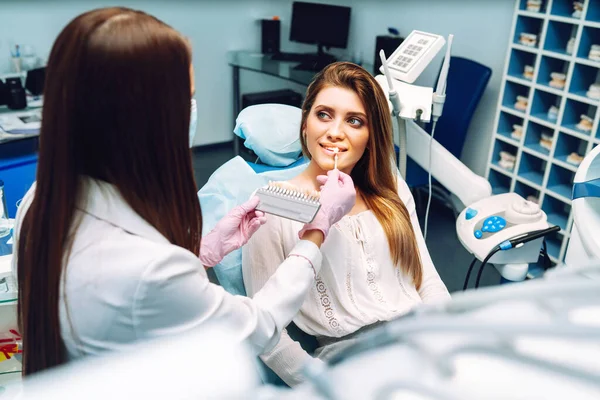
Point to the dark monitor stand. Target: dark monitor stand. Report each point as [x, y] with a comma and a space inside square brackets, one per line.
[316, 62]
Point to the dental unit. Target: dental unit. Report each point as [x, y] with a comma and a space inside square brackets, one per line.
[488, 222]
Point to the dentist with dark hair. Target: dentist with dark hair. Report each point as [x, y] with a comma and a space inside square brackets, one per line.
[107, 241]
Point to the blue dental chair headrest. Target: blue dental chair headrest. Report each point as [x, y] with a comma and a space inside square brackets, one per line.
[272, 131]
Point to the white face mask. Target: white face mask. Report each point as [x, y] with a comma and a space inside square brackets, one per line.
[193, 121]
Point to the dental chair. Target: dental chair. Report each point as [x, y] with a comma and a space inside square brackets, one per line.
[272, 132]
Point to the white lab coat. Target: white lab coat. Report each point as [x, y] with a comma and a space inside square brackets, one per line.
[125, 282]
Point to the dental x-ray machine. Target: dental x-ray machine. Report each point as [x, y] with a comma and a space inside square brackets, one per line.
[506, 224]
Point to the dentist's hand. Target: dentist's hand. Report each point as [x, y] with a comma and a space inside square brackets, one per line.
[231, 232]
[338, 196]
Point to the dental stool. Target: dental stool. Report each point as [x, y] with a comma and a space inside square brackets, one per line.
[272, 132]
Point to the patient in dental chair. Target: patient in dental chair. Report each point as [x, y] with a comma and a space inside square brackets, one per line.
[376, 266]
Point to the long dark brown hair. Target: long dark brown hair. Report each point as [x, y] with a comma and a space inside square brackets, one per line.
[116, 109]
[373, 175]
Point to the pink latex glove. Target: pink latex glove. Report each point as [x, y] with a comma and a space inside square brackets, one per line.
[231, 232]
[338, 196]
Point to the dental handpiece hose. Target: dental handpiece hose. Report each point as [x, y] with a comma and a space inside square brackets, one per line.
[515, 242]
[520, 240]
[439, 98]
[395, 100]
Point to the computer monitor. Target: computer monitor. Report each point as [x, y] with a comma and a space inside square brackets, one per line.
[321, 24]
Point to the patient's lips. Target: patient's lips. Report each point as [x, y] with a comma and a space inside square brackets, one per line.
[331, 149]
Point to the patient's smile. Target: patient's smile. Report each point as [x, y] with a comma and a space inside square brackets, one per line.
[337, 124]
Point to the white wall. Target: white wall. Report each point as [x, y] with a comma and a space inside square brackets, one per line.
[481, 30]
[214, 27]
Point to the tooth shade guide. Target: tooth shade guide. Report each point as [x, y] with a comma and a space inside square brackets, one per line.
[283, 187]
[288, 201]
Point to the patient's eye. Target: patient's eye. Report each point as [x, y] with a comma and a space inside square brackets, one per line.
[322, 114]
[355, 122]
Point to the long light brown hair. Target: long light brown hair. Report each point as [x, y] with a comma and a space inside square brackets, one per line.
[373, 175]
[116, 109]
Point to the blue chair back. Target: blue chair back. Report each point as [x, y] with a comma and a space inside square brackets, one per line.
[467, 81]
[259, 168]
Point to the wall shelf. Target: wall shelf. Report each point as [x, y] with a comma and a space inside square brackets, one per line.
[528, 192]
[531, 168]
[543, 122]
[545, 152]
[574, 110]
[593, 12]
[500, 182]
[560, 181]
[558, 36]
[536, 138]
[528, 25]
[518, 63]
[522, 8]
[562, 56]
[506, 126]
[549, 66]
[557, 211]
[512, 93]
[542, 102]
[583, 77]
[564, 9]
[500, 147]
[589, 36]
[568, 144]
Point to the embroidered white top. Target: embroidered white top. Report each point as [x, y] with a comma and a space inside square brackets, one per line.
[358, 284]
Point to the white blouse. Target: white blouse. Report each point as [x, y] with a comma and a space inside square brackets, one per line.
[358, 284]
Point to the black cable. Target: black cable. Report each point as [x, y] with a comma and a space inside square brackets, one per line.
[485, 260]
[469, 273]
[547, 261]
[544, 248]
[515, 242]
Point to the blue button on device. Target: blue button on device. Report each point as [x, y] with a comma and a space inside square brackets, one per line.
[470, 213]
[493, 224]
[478, 234]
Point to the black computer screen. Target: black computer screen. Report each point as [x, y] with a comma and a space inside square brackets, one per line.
[323, 24]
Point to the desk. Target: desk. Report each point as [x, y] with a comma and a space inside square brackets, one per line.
[18, 164]
[262, 63]
[9, 137]
[33, 103]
